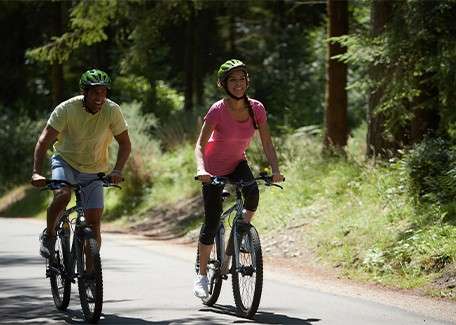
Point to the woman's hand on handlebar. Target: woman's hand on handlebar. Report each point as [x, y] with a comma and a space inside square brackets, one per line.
[277, 178]
[204, 178]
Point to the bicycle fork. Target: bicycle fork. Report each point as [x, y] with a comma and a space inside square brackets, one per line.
[240, 246]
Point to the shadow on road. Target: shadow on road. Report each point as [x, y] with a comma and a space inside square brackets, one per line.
[39, 309]
[261, 317]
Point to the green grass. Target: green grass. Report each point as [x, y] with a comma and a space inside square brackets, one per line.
[361, 218]
[24, 202]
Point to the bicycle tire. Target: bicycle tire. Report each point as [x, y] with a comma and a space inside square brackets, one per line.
[213, 272]
[90, 284]
[247, 280]
[60, 281]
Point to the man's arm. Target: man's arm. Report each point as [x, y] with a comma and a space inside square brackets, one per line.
[47, 137]
[123, 139]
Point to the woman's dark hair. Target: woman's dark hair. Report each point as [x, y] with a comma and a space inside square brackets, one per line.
[250, 109]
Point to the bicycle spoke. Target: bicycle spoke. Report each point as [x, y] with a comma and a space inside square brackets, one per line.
[247, 279]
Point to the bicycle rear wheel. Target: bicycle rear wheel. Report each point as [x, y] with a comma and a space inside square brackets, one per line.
[59, 272]
[90, 280]
[247, 280]
[213, 272]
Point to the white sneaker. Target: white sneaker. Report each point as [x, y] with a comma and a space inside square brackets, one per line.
[200, 288]
[225, 268]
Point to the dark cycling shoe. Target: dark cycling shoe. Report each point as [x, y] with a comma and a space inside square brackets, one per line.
[47, 244]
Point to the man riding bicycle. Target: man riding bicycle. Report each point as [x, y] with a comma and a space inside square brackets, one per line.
[81, 129]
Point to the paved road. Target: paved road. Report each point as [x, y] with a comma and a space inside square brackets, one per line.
[149, 282]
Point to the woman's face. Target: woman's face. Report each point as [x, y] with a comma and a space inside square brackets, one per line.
[236, 83]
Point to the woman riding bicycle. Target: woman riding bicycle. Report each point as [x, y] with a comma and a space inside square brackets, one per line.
[228, 128]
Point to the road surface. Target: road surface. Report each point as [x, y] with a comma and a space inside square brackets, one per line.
[150, 282]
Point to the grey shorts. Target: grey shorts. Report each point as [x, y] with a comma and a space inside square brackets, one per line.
[92, 195]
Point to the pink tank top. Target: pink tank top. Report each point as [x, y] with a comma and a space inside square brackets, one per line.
[230, 138]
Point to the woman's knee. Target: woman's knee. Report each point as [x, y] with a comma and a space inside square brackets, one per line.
[207, 233]
[252, 197]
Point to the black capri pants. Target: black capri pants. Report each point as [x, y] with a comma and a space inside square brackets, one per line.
[212, 196]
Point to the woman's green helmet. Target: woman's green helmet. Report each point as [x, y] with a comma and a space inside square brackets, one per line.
[227, 67]
[94, 77]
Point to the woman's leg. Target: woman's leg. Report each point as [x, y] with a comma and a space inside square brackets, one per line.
[212, 196]
[251, 193]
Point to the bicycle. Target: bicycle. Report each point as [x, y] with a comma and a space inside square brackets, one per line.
[83, 256]
[247, 263]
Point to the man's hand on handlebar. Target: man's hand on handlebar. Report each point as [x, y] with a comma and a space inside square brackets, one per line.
[38, 180]
[115, 177]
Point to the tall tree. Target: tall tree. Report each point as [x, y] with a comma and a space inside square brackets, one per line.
[377, 144]
[336, 130]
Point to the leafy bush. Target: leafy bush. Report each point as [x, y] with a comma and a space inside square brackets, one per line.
[431, 170]
[18, 135]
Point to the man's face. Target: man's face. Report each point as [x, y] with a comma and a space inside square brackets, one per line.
[95, 98]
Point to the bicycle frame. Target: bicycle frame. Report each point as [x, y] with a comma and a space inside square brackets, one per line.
[81, 230]
[238, 206]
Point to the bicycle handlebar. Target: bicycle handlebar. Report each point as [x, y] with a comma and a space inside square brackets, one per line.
[54, 184]
[221, 181]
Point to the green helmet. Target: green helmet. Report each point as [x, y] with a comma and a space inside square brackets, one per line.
[229, 66]
[94, 77]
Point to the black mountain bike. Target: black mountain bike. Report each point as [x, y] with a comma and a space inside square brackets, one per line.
[244, 245]
[81, 261]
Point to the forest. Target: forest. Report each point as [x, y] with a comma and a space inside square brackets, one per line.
[360, 100]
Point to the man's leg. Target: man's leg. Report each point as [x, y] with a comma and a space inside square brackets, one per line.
[60, 201]
[93, 217]
[60, 171]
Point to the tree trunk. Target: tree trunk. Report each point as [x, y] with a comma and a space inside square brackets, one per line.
[336, 133]
[426, 118]
[189, 62]
[56, 69]
[377, 144]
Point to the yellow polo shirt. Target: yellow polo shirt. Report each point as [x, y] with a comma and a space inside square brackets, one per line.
[84, 138]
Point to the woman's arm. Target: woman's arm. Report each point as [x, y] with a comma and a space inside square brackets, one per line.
[205, 134]
[269, 151]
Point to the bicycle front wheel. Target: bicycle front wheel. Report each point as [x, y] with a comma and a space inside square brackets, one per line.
[213, 273]
[90, 280]
[247, 278]
[59, 272]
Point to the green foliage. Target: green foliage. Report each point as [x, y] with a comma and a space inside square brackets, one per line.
[358, 216]
[430, 166]
[152, 177]
[88, 19]
[18, 135]
[137, 174]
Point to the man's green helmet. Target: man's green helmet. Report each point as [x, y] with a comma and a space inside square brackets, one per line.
[94, 77]
[227, 67]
